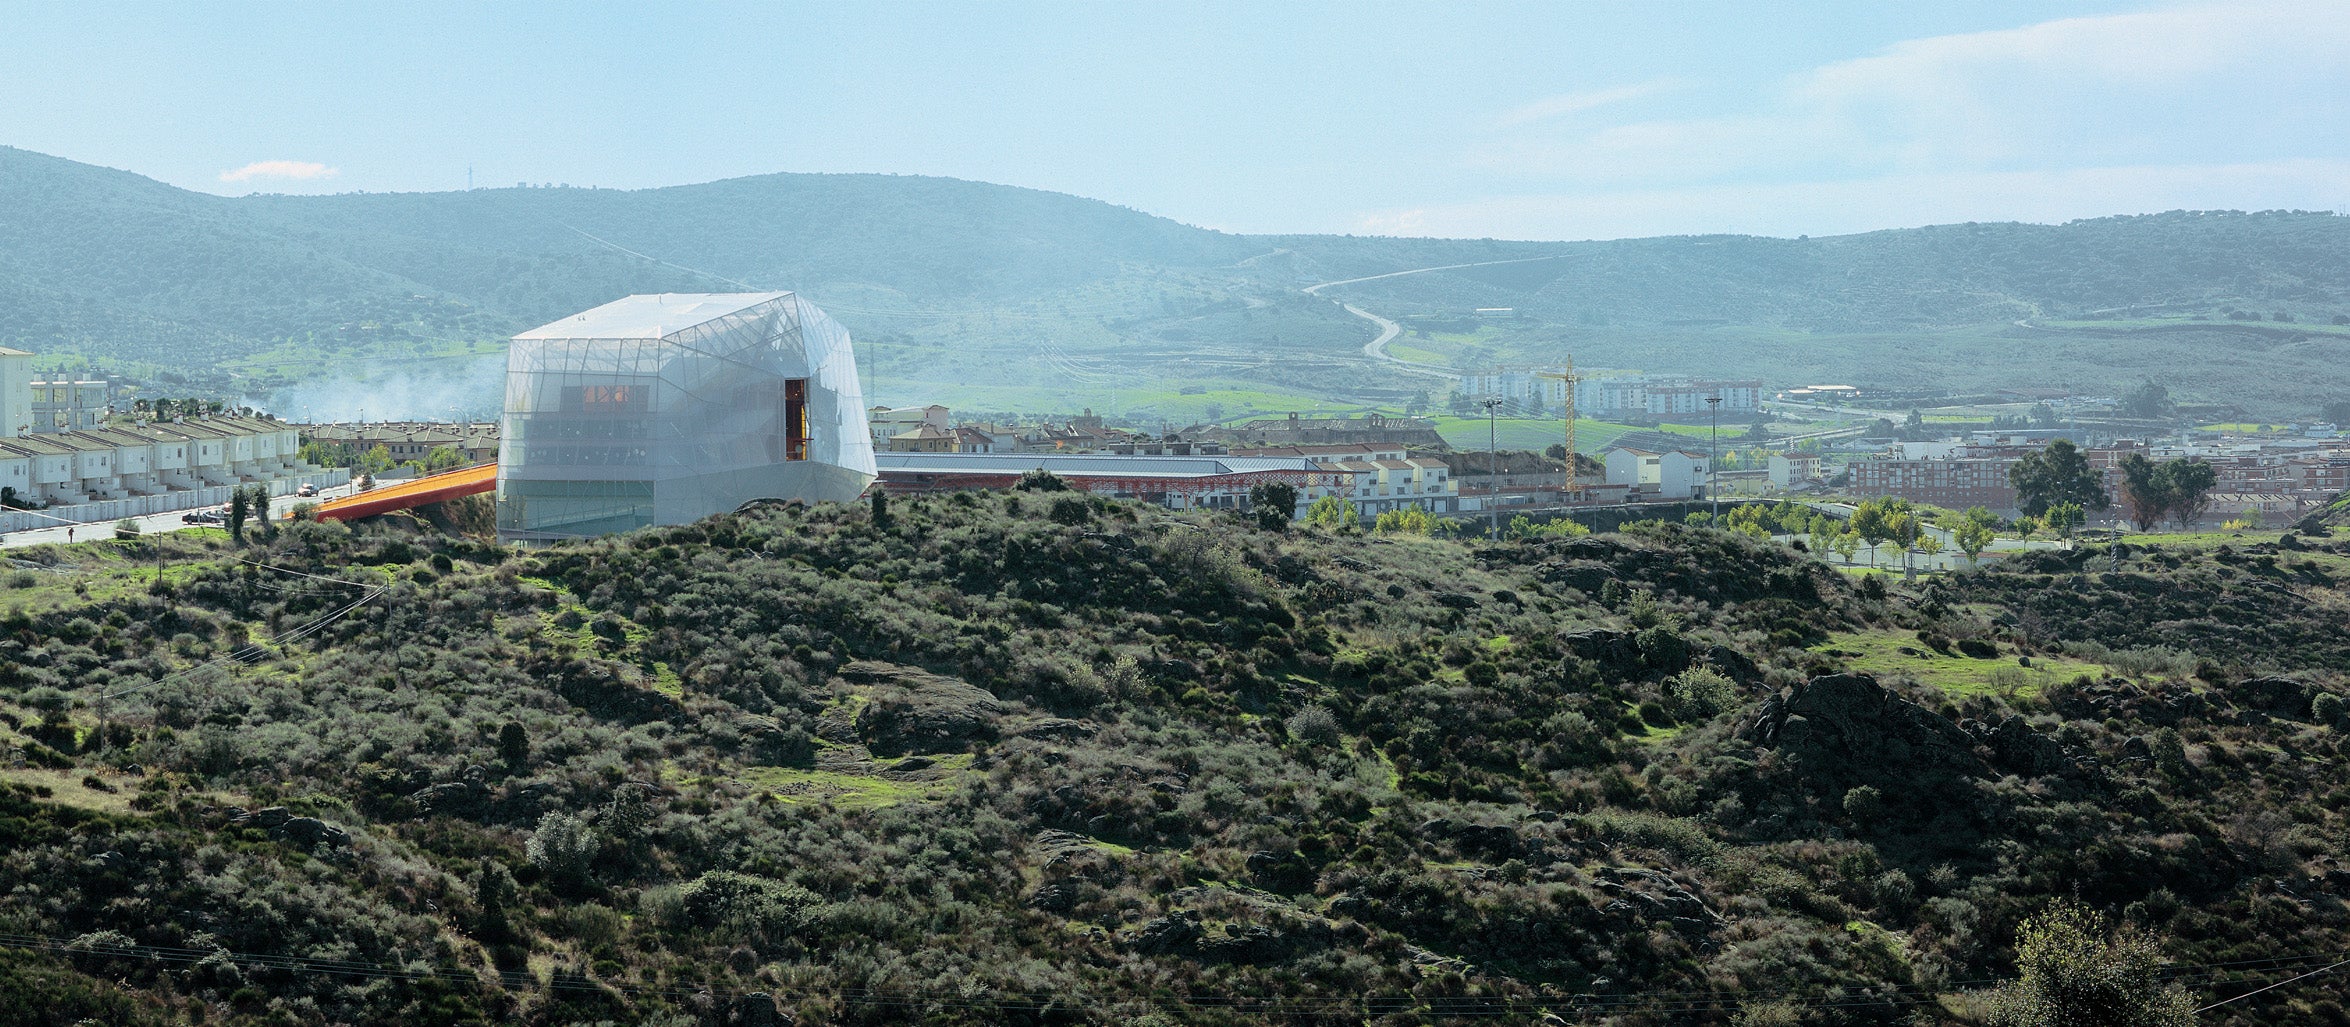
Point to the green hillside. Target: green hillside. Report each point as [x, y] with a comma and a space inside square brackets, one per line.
[1025, 758]
[992, 297]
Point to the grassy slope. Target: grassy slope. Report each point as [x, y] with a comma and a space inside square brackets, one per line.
[1155, 681]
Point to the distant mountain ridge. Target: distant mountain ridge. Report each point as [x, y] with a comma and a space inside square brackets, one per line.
[119, 266]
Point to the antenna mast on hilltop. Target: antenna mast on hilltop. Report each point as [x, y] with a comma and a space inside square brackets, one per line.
[1567, 379]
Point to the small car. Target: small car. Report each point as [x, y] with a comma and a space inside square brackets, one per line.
[307, 490]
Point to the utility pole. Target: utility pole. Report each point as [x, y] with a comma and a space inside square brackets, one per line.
[1492, 467]
[1714, 456]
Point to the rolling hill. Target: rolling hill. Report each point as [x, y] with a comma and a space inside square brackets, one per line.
[1000, 298]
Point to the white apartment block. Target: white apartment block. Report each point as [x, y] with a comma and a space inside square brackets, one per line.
[1603, 394]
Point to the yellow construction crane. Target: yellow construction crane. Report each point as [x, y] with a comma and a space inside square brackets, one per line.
[1574, 492]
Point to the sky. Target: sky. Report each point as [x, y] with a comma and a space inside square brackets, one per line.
[1550, 120]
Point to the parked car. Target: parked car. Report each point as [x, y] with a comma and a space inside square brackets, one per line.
[209, 515]
[307, 490]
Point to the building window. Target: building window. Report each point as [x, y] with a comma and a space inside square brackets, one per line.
[608, 399]
[795, 418]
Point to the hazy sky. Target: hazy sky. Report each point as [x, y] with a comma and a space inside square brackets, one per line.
[1544, 120]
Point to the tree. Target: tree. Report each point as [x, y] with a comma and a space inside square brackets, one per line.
[880, 509]
[236, 515]
[1845, 544]
[1870, 520]
[2146, 486]
[2063, 518]
[1273, 504]
[492, 886]
[376, 460]
[2026, 527]
[441, 458]
[2338, 412]
[2045, 416]
[1331, 513]
[1931, 545]
[259, 503]
[2057, 474]
[1749, 520]
[2075, 970]
[1902, 526]
[1524, 527]
[513, 746]
[1972, 537]
[1410, 520]
[2190, 489]
[2149, 402]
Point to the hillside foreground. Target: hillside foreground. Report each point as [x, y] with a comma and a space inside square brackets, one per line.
[1033, 758]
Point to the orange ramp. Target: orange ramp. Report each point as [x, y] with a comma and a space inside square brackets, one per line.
[432, 488]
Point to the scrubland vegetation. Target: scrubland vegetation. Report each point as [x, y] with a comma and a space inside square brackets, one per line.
[1041, 758]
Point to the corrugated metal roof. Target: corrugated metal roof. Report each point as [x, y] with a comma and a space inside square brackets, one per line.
[1085, 464]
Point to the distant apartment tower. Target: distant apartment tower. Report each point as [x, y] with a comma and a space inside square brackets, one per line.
[62, 404]
[666, 409]
[1953, 482]
[16, 392]
[1617, 395]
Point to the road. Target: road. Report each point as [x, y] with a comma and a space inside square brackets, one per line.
[1376, 349]
[1949, 559]
[168, 521]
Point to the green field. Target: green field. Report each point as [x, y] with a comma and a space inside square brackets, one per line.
[1899, 654]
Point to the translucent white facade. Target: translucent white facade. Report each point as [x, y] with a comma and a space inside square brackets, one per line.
[666, 409]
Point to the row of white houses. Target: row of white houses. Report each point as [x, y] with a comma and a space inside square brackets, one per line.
[114, 463]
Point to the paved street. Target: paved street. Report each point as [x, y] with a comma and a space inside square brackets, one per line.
[154, 522]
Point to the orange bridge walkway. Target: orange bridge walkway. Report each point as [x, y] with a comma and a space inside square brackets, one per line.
[432, 488]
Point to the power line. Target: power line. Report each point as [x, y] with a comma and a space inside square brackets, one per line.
[254, 652]
[1369, 1004]
[2279, 984]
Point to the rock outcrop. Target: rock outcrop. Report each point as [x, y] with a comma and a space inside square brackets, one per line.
[911, 710]
[1848, 725]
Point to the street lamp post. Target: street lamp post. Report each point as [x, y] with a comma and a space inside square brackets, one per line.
[1492, 466]
[1713, 456]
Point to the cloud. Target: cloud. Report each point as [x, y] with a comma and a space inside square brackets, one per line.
[300, 170]
[1393, 222]
[1550, 107]
[2218, 84]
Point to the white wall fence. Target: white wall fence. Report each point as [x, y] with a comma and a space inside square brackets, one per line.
[110, 510]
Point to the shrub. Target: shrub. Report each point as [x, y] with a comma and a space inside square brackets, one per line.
[1864, 804]
[2328, 708]
[1697, 694]
[1041, 480]
[765, 911]
[2075, 971]
[564, 848]
[1314, 725]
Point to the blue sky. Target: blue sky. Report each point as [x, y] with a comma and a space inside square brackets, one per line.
[1539, 121]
